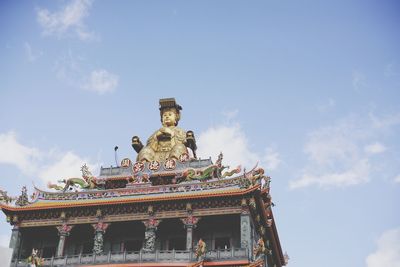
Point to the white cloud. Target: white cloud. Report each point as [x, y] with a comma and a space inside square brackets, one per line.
[271, 159]
[359, 173]
[46, 165]
[65, 165]
[101, 81]
[69, 19]
[14, 153]
[330, 143]
[385, 122]
[74, 71]
[341, 154]
[233, 143]
[31, 55]
[397, 179]
[375, 148]
[388, 251]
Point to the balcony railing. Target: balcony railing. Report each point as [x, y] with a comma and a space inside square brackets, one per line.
[139, 257]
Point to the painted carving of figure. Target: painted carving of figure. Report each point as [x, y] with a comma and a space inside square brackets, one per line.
[200, 250]
[34, 260]
[259, 248]
[149, 240]
[167, 142]
[98, 243]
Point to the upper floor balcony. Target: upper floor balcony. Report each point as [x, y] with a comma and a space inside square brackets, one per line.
[179, 257]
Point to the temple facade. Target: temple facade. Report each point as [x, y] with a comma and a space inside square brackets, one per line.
[165, 208]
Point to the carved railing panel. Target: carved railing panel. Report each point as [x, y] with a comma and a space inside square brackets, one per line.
[139, 256]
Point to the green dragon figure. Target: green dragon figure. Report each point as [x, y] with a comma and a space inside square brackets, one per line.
[213, 171]
[88, 181]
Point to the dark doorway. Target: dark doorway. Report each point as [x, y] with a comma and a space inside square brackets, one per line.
[44, 239]
[122, 236]
[177, 243]
[133, 245]
[171, 234]
[219, 231]
[48, 251]
[81, 240]
[222, 243]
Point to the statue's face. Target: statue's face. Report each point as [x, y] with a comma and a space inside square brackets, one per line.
[169, 117]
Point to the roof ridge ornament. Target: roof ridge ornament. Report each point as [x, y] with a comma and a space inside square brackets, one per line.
[88, 181]
[23, 198]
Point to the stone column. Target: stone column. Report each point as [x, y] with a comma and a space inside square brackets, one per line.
[245, 227]
[150, 234]
[99, 230]
[15, 241]
[190, 223]
[63, 231]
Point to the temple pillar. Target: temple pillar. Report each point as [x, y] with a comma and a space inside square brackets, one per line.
[150, 234]
[245, 227]
[190, 223]
[63, 231]
[15, 241]
[99, 230]
[189, 237]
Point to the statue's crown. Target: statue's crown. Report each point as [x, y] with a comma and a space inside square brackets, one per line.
[169, 103]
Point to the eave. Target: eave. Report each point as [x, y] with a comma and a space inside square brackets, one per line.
[128, 200]
[273, 232]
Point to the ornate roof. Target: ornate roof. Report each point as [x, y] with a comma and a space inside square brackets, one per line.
[141, 192]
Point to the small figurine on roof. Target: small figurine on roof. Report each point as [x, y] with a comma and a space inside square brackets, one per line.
[257, 176]
[23, 198]
[200, 250]
[34, 260]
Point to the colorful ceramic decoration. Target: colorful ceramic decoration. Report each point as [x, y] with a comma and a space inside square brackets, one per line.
[126, 162]
[170, 164]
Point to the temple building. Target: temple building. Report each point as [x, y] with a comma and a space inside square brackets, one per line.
[164, 208]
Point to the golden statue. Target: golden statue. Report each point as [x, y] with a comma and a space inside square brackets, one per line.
[169, 141]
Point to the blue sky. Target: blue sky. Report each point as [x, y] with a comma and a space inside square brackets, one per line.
[307, 89]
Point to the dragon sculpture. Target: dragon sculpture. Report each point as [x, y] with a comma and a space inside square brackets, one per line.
[5, 198]
[88, 181]
[149, 241]
[213, 171]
